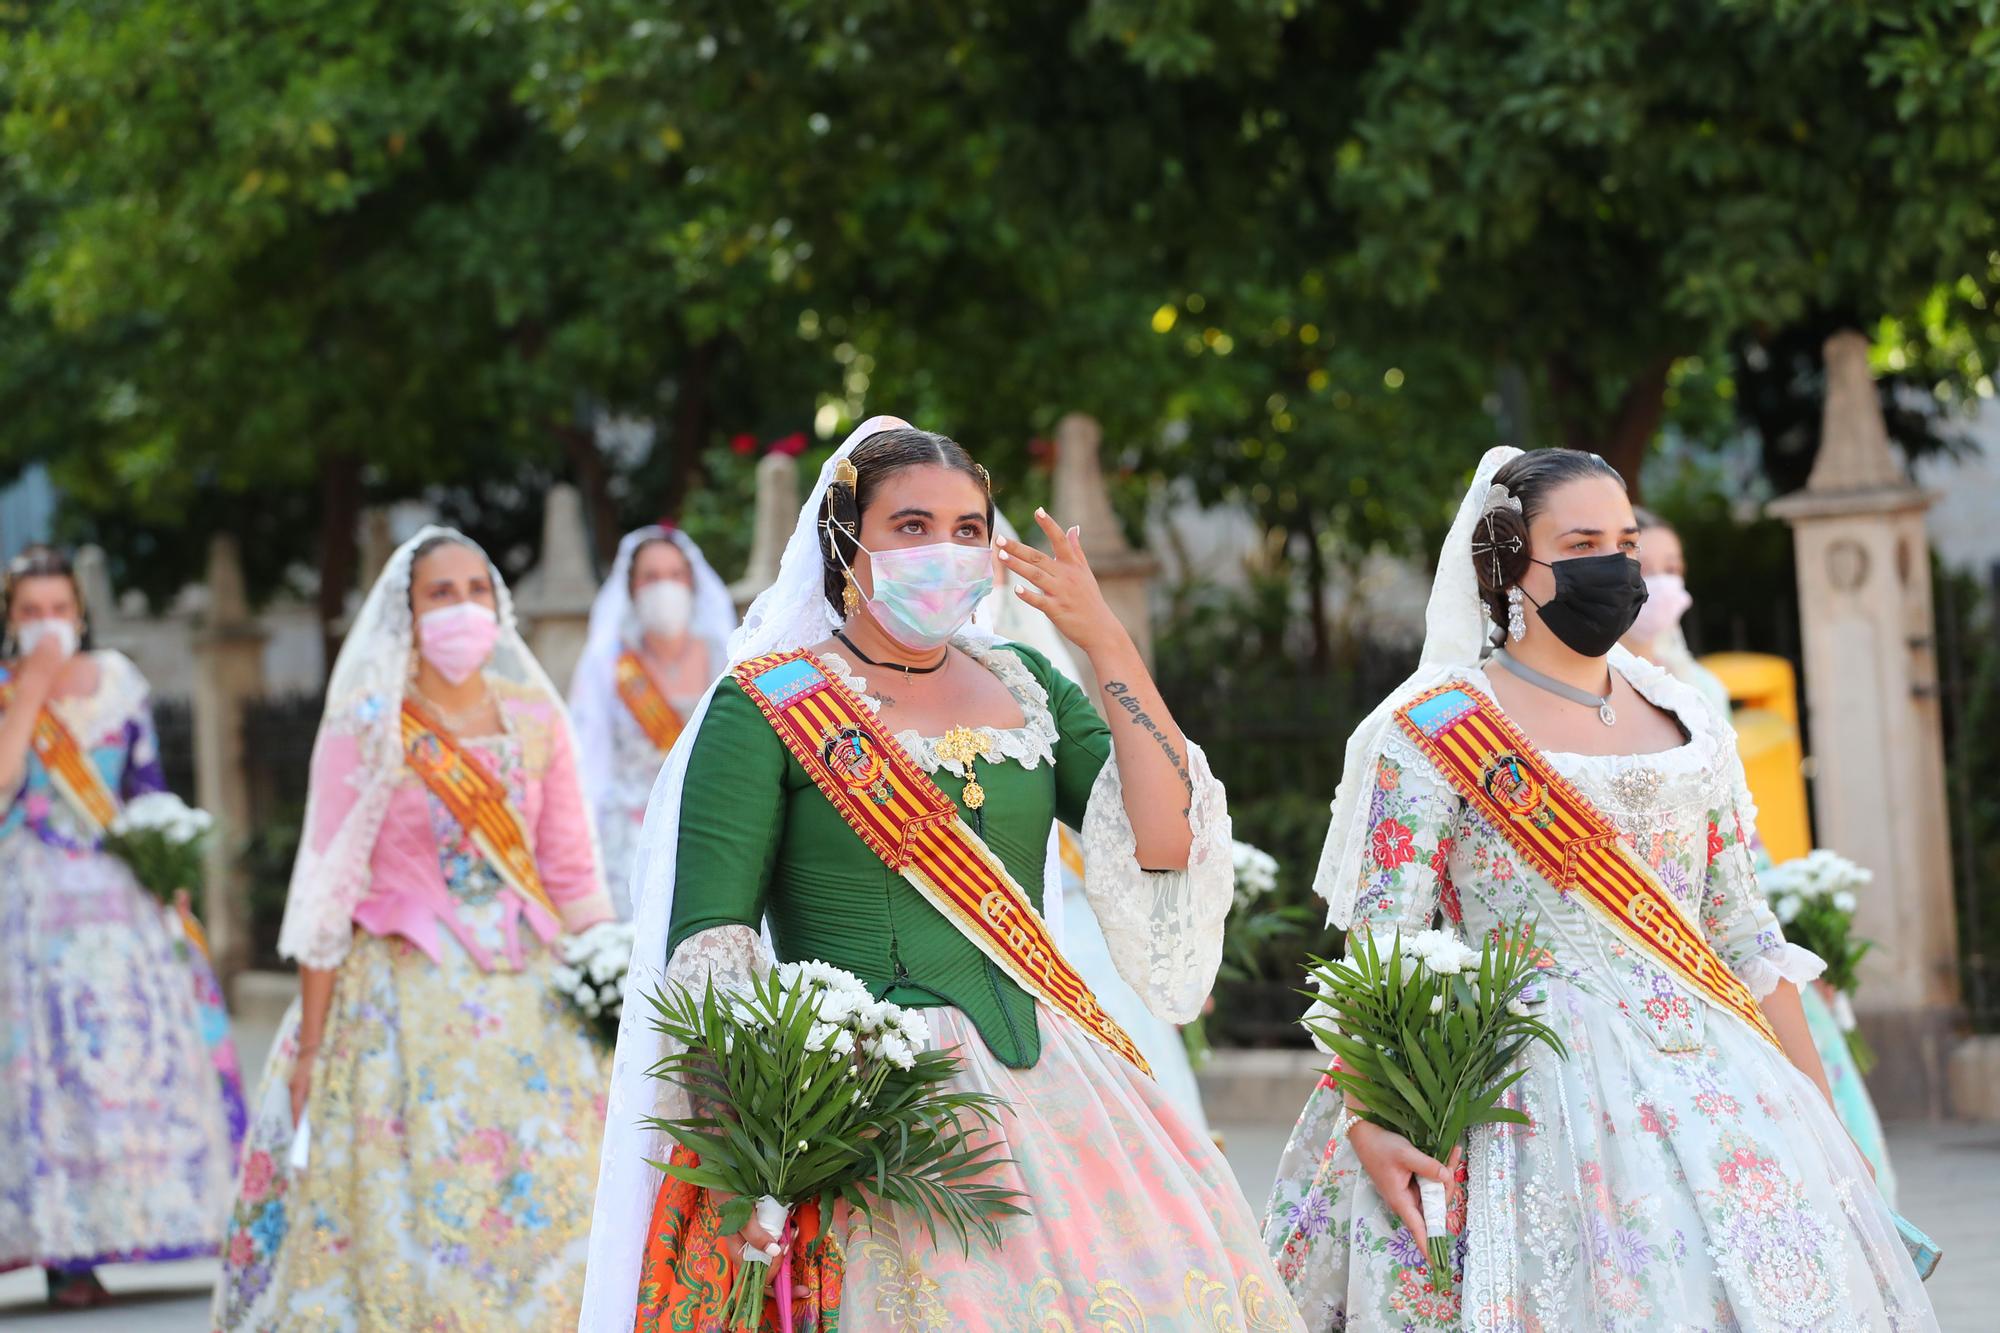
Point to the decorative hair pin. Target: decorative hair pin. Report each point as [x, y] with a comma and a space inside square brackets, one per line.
[844, 473]
[1498, 495]
[985, 477]
[1494, 545]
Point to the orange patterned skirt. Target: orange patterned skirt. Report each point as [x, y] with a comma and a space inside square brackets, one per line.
[688, 1270]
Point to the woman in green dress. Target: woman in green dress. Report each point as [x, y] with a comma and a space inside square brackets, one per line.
[1133, 1214]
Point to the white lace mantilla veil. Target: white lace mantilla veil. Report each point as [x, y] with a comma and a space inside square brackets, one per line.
[791, 613]
[364, 699]
[593, 687]
[1457, 633]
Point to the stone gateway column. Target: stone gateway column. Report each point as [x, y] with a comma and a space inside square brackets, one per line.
[553, 600]
[229, 654]
[1877, 741]
[775, 513]
[1080, 500]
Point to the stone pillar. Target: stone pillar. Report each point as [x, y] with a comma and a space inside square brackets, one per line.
[93, 578]
[378, 543]
[1878, 750]
[775, 514]
[229, 652]
[553, 601]
[1081, 501]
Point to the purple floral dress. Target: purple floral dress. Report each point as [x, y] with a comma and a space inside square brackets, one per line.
[1678, 1172]
[120, 1100]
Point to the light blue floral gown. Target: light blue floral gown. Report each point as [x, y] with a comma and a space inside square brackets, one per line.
[1679, 1173]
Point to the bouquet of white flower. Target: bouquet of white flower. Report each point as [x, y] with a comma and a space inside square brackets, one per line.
[808, 1088]
[1256, 873]
[1814, 899]
[160, 837]
[1424, 1038]
[592, 973]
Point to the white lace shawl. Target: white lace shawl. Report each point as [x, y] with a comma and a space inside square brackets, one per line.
[1457, 633]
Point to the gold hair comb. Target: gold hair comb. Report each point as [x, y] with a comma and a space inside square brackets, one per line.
[844, 473]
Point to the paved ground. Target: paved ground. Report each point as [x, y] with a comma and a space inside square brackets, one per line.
[1949, 1174]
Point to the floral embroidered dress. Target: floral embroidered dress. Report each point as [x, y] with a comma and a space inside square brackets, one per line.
[119, 1098]
[1135, 1220]
[457, 1100]
[1679, 1173]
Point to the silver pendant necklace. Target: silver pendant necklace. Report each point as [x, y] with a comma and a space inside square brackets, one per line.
[1601, 702]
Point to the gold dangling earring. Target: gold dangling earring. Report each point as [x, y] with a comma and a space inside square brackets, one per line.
[850, 597]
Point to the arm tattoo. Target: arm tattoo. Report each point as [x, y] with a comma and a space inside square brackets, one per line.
[1121, 695]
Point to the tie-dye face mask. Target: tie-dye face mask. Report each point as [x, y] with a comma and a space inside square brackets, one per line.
[925, 594]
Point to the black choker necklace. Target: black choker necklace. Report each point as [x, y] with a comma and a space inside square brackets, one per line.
[896, 666]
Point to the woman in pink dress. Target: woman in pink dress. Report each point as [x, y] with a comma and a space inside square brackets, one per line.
[420, 1152]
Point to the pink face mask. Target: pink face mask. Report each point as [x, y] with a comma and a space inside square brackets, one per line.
[925, 594]
[458, 639]
[1667, 601]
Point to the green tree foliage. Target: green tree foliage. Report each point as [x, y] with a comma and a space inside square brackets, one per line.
[1295, 253]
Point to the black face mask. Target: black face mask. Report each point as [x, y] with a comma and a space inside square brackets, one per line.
[1597, 599]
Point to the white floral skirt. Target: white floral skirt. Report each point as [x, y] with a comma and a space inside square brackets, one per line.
[1712, 1189]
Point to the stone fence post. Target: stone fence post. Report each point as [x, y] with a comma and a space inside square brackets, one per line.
[1864, 576]
[774, 514]
[229, 656]
[1080, 500]
[553, 600]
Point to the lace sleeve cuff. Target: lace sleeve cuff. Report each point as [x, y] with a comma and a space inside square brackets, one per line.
[1163, 928]
[732, 957]
[1786, 962]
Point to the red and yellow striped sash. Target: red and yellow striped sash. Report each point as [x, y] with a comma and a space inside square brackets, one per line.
[477, 800]
[908, 821]
[1565, 839]
[70, 771]
[649, 708]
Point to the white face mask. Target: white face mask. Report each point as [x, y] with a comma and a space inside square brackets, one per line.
[664, 608]
[31, 632]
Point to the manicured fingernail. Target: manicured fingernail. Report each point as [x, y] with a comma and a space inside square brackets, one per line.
[1000, 541]
[1043, 512]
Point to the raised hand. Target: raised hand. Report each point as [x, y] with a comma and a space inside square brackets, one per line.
[1060, 584]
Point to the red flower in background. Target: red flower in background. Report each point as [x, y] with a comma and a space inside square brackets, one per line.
[746, 443]
[793, 444]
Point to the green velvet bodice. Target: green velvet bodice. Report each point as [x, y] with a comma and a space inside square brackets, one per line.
[757, 840]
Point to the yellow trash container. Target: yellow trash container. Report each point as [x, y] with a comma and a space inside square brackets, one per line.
[1765, 694]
